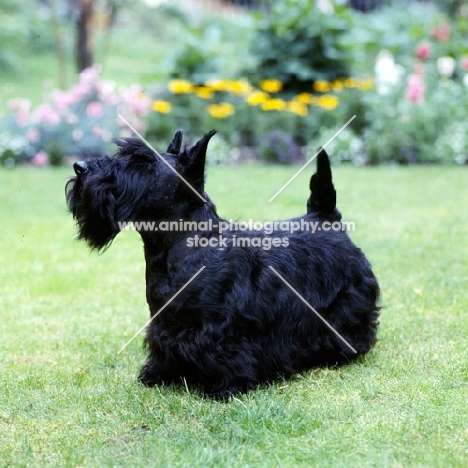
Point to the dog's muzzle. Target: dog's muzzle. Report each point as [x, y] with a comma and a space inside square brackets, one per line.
[80, 167]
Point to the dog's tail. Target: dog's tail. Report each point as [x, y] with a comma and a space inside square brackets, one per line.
[323, 195]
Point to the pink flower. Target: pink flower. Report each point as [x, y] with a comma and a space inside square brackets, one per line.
[423, 50]
[137, 101]
[63, 99]
[98, 131]
[19, 105]
[140, 105]
[22, 118]
[94, 109]
[20, 108]
[79, 91]
[72, 119]
[77, 135]
[90, 76]
[105, 135]
[40, 159]
[415, 89]
[442, 33]
[126, 133]
[464, 63]
[32, 135]
[107, 93]
[46, 114]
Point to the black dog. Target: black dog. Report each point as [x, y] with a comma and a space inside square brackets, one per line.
[238, 323]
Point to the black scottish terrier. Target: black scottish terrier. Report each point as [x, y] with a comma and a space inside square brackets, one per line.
[238, 323]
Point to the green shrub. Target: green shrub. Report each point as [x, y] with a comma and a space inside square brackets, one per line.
[299, 45]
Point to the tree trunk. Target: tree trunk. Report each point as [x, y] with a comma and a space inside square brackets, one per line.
[84, 49]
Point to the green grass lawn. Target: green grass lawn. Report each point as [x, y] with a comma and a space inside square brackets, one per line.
[67, 399]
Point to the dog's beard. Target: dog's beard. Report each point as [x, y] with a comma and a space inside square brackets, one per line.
[93, 212]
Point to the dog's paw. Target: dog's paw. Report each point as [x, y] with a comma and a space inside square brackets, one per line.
[225, 393]
[149, 377]
[220, 395]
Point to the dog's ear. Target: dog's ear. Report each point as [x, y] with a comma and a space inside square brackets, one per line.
[323, 195]
[176, 143]
[196, 158]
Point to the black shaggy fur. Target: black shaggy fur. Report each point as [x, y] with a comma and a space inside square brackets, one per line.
[237, 324]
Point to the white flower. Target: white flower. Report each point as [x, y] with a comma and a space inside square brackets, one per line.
[446, 66]
[387, 73]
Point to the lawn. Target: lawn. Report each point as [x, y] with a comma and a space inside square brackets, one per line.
[67, 398]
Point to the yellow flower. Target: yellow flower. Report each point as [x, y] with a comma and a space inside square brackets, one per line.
[337, 86]
[274, 104]
[216, 85]
[328, 102]
[271, 85]
[163, 107]
[350, 83]
[203, 92]
[238, 87]
[365, 85]
[298, 108]
[304, 98]
[321, 86]
[221, 110]
[257, 97]
[180, 86]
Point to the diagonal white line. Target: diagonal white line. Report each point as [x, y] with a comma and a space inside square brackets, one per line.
[311, 159]
[162, 159]
[313, 310]
[161, 309]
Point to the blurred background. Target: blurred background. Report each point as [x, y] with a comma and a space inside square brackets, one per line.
[276, 78]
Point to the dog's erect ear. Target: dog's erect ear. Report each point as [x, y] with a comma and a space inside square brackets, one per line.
[176, 143]
[196, 158]
[323, 195]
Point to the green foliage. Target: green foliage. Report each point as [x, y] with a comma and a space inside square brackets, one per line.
[453, 7]
[24, 30]
[206, 46]
[198, 59]
[298, 45]
[397, 27]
